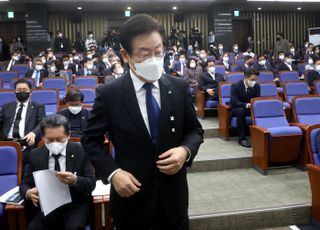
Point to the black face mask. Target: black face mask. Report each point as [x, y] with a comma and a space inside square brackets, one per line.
[278, 38]
[22, 96]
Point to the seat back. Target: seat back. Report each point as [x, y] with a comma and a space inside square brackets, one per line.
[224, 93]
[317, 87]
[47, 97]
[14, 80]
[234, 77]
[306, 109]
[268, 90]
[86, 82]
[314, 154]
[10, 165]
[268, 113]
[221, 70]
[234, 67]
[21, 69]
[6, 96]
[1, 84]
[6, 77]
[292, 89]
[265, 76]
[286, 76]
[58, 83]
[89, 95]
[301, 68]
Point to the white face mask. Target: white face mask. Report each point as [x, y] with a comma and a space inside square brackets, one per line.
[105, 60]
[225, 59]
[310, 61]
[90, 66]
[212, 70]
[75, 109]
[53, 69]
[90, 35]
[251, 83]
[236, 48]
[220, 47]
[16, 58]
[151, 69]
[38, 67]
[193, 65]
[281, 57]
[89, 56]
[203, 55]
[44, 61]
[262, 62]
[182, 60]
[317, 67]
[120, 71]
[292, 50]
[57, 147]
[66, 63]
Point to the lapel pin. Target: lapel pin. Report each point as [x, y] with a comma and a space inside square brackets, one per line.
[82, 117]
[173, 130]
[72, 156]
[169, 92]
[172, 118]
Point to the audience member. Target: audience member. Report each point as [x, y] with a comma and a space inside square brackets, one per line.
[90, 41]
[263, 64]
[88, 68]
[313, 75]
[281, 44]
[192, 75]
[38, 73]
[4, 51]
[61, 43]
[248, 64]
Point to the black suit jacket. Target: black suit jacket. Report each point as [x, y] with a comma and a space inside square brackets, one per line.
[116, 110]
[84, 117]
[76, 162]
[284, 67]
[240, 97]
[207, 82]
[35, 113]
[266, 67]
[241, 68]
[81, 73]
[43, 74]
[312, 76]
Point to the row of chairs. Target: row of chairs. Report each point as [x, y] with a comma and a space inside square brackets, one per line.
[8, 78]
[49, 98]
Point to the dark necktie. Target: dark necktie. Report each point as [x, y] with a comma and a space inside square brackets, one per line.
[16, 123]
[153, 111]
[56, 161]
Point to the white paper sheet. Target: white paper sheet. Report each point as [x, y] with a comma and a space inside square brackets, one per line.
[52, 192]
[101, 189]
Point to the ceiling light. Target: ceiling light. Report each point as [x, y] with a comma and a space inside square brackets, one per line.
[129, 8]
[259, 8]
[299, 8]
[174, 8]
[79, 8]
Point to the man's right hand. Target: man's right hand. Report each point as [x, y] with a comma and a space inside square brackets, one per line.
[210, 92]
[32, 195]
[125, 183]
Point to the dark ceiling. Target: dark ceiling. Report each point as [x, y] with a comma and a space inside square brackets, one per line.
[154, 5]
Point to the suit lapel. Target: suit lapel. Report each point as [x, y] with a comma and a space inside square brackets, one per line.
[12, 111]
[70, 158]
[43, 158]
[29, 113]
[129, 98]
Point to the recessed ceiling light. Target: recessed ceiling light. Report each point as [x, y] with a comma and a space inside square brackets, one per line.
[79, 8]
[299, 8]
[174, 8]
[129, 8]
[259, 8]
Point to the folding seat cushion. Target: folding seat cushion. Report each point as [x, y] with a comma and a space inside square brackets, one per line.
[307, 110]
[286, 76]
[269, 114]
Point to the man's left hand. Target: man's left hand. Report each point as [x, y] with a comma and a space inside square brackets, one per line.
[172, 160]
[30, 138]
[67, 177]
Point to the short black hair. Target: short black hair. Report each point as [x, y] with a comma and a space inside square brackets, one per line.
[74, 95]
[247, 57]
[22, 81]
[261, 55]
[113, 66]
[55, 121]
[65, 56]
[208, 61]
[251, 71]
[138, 25]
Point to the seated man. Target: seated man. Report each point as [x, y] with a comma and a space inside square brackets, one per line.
[287, 64]
[20, 120]
[88, 68]
[248, 63]
[209, 81]
[15, 59]
[38, 73]
[241, 94]
[263, 64]
[314, 75]
[76, 115]
[73, 169]
[67, 65]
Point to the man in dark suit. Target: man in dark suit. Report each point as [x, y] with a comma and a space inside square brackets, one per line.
[88, 68]
[314, 75]
[15, 59]
[4, 51]
[76, 115]
[67, 65]
[209, 81]
[20, 120]
[248, 63]
[38, 73]
[155, 132]
[241, 94]
[61, 43]
[180, 67]
[73, 169]
[287, 64]
[263, 64]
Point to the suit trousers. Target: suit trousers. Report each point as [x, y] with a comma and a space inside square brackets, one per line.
[68, 217]
[241, 113]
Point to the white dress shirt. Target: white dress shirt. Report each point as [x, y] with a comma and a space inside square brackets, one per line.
[289, 66]
[212, 75]
[22, 122]
[62, 161]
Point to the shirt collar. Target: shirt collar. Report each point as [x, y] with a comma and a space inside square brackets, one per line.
[138, 83]
[25, 104]
[245, 84]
